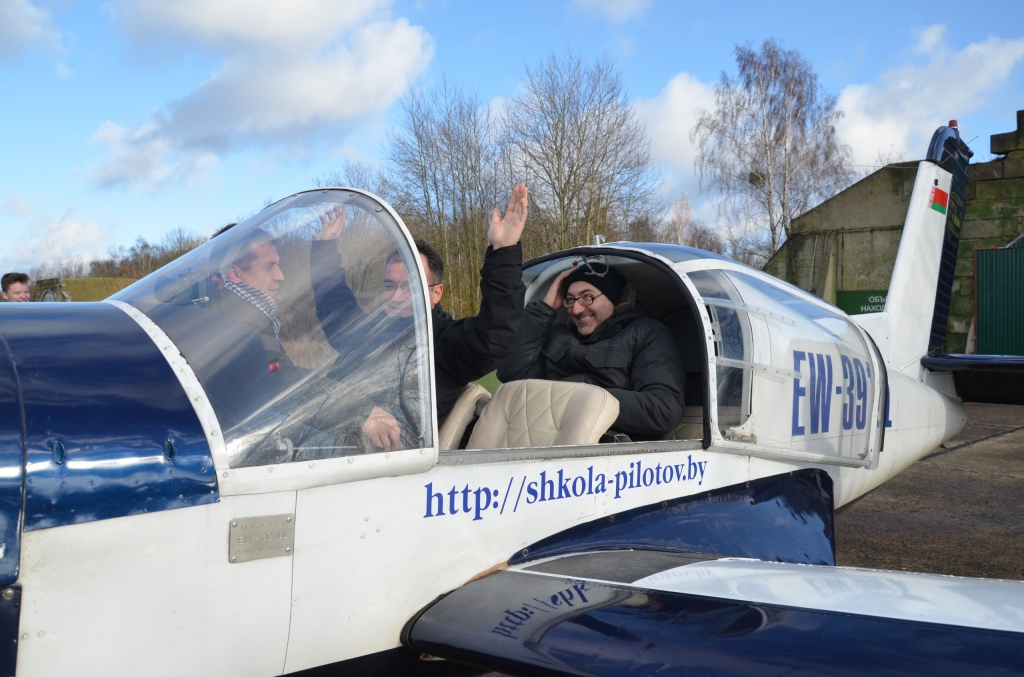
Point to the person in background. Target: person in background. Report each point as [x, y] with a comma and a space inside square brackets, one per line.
[15, 287]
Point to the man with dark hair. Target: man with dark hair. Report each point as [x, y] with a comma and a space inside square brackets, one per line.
[15, 287]
[464, 350]
[608, 341]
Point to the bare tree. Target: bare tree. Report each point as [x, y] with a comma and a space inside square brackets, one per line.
[769, 148]
[748, 245]
[442, 161]
[362, 175]
[143, 257]
[575, 139]
[680, 227]
[889, 157]
[67, 267]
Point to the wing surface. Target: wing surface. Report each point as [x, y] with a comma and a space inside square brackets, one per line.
[644, 613]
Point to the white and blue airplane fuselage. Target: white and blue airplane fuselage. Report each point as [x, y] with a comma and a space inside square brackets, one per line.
[169, 509]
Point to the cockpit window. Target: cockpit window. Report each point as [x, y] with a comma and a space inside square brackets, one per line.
[730, 325]
[307, 327]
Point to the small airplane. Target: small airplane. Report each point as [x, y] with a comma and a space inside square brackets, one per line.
[176, 499]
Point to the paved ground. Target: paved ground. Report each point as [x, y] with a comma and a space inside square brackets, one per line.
[959, 511]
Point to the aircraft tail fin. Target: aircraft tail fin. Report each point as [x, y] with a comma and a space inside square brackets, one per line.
[919, 295]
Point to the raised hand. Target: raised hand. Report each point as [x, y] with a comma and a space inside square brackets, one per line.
[382, 429]
[505, 232]
[331, 223]
[554, 296]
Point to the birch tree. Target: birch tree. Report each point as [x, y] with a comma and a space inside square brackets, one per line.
[769, 147]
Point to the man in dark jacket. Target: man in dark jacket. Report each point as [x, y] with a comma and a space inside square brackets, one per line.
[464, 350]
[252, 276]
[610, 342]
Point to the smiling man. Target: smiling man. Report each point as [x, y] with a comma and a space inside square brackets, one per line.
[608, 341]
[15, 288]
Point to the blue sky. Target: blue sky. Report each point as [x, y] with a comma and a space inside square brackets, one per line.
[133, 117]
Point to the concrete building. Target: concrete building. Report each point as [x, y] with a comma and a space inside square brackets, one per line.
[844, 249]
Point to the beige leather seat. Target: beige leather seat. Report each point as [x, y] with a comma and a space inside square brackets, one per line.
[535, 413]
[691, 425]
[469, 405]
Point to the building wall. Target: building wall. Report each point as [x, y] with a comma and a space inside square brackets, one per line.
[864, 223]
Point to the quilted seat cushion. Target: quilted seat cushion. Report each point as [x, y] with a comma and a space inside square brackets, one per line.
[537, 413]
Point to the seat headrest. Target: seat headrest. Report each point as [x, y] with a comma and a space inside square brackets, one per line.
[467, 407]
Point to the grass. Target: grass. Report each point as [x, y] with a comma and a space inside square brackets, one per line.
[490, 381]
[94, 288]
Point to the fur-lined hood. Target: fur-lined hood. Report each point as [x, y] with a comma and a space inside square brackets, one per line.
[627, 302]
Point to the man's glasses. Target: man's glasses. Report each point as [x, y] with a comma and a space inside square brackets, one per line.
[390, 288]
[584, 300]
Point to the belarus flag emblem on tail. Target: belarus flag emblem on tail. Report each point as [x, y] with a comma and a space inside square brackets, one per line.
[940, 199]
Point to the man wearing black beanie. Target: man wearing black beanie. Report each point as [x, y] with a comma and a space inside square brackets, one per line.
[608, 341]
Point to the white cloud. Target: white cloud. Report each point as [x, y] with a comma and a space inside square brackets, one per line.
[930, 39]
[670, 116]
[227, 25]
[899, 110]
[52, 237]
[24, 27]
[15, 207]
[294, 75]
[615, 11]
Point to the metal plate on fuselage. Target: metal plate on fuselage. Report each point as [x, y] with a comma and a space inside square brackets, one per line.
[252, 538]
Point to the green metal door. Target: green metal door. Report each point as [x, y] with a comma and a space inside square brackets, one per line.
[999, 280]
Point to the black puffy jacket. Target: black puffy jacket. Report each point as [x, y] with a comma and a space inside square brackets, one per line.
[631, 355]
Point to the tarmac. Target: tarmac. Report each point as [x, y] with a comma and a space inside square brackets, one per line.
[957, 511]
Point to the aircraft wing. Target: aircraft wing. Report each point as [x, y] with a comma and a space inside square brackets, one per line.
[997, 379]
[646, 613]
[650, 592]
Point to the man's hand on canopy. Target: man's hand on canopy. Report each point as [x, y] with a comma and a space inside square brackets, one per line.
[331, 223]
[382, 429]
[505, 232]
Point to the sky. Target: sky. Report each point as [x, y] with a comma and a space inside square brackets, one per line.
[130, 118]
